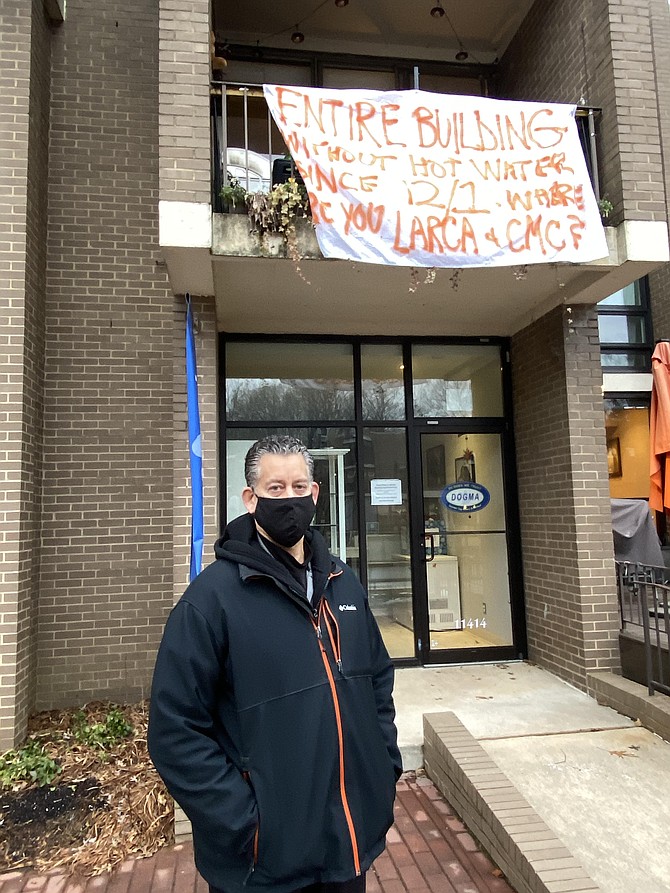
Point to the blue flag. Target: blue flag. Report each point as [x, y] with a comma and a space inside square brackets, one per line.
[194, 448]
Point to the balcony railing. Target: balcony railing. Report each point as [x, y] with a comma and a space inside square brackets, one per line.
[247, 145]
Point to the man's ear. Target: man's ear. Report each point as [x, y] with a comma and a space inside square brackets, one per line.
[315, 491]
[249, 499]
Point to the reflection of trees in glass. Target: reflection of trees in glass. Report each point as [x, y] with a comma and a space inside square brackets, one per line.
[383, 400]
[265, 399]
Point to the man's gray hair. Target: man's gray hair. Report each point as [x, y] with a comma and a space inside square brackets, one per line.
[279, 444]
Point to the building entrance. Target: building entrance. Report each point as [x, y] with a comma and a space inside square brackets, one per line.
[414, 461]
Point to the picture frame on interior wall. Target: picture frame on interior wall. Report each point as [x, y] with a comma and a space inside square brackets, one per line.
[614, 457]
[465, 468]
[435, 470]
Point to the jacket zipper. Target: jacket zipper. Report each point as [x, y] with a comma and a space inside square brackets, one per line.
[340, 740]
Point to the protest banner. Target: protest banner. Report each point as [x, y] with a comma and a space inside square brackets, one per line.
[425, 179]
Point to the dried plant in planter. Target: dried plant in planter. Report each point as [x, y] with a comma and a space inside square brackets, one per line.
[276, 212]
[82, 795]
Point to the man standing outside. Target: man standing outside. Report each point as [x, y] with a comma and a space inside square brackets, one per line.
[272, 718]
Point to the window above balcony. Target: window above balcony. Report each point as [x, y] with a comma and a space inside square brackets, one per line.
[624, 328]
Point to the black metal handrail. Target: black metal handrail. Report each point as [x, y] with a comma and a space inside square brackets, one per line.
[644, 601]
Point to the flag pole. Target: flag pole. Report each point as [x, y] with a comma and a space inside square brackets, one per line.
[194, 447]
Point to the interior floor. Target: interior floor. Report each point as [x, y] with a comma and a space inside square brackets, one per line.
[399, 640]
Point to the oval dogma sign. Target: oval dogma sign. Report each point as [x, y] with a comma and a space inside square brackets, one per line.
[465, 497]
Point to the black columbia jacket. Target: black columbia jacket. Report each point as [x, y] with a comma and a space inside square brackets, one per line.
[272, 720]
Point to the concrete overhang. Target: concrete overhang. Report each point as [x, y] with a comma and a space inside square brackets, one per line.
[259, 289]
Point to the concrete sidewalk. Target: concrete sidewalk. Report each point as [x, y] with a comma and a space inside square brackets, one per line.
[429, 851]
[598, 780]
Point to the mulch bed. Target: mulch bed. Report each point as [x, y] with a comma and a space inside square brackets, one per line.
[104, 806]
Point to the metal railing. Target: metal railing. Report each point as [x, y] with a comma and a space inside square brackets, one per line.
[246, 142]
[644, 602]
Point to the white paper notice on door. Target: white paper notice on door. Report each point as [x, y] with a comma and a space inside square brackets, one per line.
[386, 491]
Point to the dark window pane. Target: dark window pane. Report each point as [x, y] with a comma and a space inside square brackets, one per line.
[639, 362]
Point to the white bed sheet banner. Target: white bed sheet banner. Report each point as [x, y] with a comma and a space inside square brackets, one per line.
[434, 180]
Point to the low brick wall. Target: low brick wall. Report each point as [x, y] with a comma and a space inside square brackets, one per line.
[529, 853]
[631, 699]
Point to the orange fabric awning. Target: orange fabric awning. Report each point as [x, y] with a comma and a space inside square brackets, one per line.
[659, 429]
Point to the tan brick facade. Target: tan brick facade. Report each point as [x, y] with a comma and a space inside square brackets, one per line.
[659, 281]
[24, 104]
[598, 53]
[106, 576]
[568, 562]
[184, 101]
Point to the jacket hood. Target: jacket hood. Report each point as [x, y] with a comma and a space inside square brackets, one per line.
[241, 545]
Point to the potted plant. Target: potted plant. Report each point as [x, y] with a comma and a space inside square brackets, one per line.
[275, 212]
[290, 202]
[605, 207]
[233, 196]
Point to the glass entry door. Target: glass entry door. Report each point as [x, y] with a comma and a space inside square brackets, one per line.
[463, 552]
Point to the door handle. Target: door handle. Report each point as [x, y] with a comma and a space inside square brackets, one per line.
[428, 538]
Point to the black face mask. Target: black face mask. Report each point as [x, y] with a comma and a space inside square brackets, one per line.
[285, 520]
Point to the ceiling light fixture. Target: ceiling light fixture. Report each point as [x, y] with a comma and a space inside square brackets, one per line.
[437, 12]
[297, 36]
[341, 3]
[462, 54]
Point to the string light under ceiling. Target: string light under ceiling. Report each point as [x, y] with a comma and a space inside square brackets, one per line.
[298, 36]
[437, 12]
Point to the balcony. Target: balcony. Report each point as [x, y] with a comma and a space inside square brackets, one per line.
[246, 268]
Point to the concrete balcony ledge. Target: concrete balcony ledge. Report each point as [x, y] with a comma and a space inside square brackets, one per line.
[232, 236]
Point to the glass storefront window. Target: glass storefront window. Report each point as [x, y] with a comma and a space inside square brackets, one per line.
[465, 552]
[288, 381]
[456, 380]
[627, 432]
[382, 382]
[437, 583]
[387, 537]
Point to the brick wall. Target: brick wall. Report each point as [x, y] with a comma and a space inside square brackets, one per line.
[24, 109]
[659, 281]
[598, 53]
[659, 298]
[184, 101]
[571, 605]
[106, 573]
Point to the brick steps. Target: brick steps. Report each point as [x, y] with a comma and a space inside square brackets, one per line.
[525, 848]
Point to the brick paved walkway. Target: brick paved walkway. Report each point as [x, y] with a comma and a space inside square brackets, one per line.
[429, 851]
